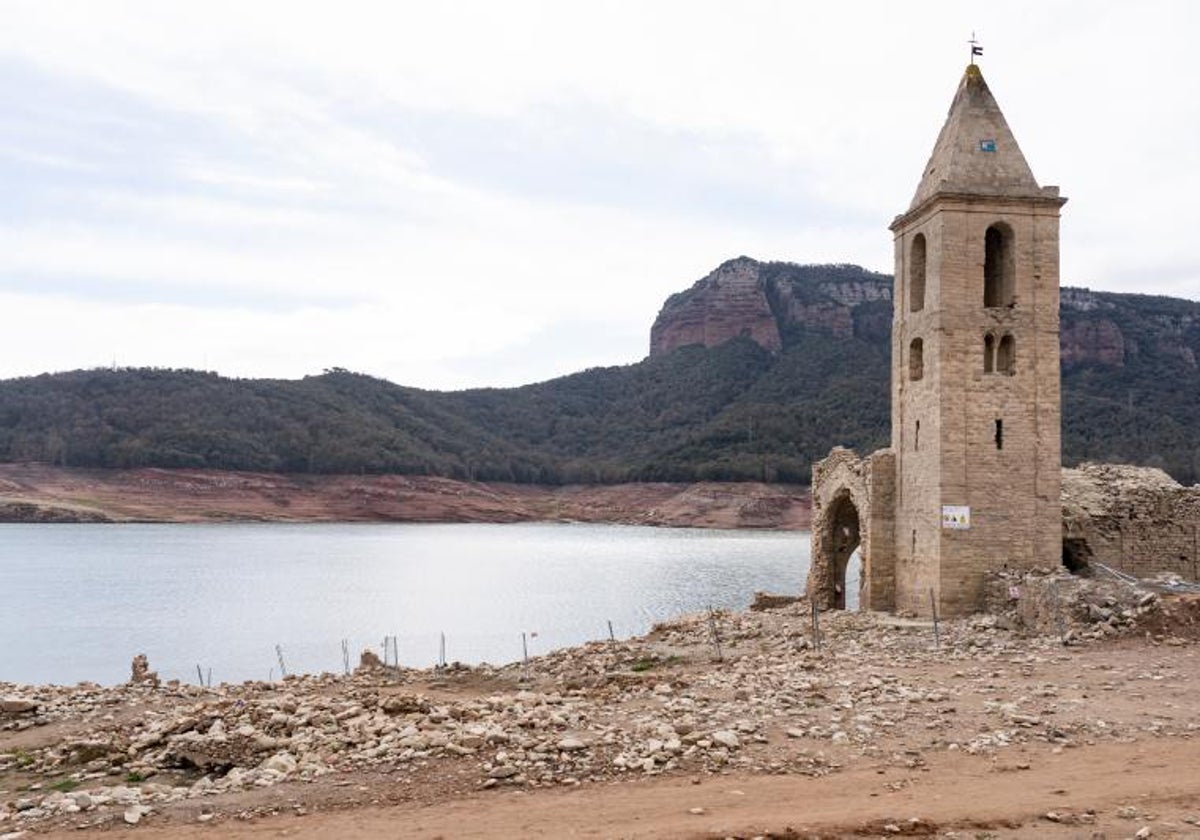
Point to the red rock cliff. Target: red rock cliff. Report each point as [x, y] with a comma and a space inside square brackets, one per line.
[759, 300]
[731, 301]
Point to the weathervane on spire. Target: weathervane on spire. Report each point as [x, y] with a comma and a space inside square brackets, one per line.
[976, 49]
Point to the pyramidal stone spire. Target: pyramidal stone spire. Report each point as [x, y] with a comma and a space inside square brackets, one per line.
[976, 153]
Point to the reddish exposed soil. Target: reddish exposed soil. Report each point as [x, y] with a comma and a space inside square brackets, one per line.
[38, 493]
[1083, 792]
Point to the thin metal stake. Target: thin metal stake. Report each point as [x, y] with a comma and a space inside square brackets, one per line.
[716, 637]
[524, 647]
[1058, 617]
[282, 667]
[199, 674]
[611, 636]
[210, 677]
[816, 627]
[937, 640]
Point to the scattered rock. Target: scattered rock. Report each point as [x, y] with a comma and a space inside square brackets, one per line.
[17, 705]
[140, 671]
[726, 738]
[369, 660]
[133, 815]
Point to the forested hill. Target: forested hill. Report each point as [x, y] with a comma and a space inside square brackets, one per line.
[804, 369]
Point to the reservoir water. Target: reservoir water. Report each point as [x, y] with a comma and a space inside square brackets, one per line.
[78, 601]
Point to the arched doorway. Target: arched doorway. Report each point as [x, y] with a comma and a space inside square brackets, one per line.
[852, 527]
[1076, 556]
[842, 539]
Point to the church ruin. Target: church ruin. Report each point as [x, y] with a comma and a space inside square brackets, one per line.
[972, 482]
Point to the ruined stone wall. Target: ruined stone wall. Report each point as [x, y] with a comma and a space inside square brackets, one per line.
[840, 482]
[1134, 519]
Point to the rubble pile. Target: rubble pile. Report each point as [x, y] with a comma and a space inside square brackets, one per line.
[747, 691]
[1059, 603]
[1097, 490]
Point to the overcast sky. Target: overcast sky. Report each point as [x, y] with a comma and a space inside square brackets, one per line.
[451, 194]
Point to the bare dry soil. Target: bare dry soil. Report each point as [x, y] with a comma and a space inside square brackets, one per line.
[39, 493]
[878, 732]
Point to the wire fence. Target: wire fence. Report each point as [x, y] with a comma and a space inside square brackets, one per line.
[1173, 584]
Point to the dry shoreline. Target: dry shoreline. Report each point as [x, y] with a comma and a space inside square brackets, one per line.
[998, 730]
[995, 732]
[39, 493]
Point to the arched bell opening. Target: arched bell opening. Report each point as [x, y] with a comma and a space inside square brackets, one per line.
[916, 274]
[999, 267]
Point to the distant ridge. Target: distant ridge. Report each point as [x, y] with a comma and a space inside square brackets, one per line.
[754, 372]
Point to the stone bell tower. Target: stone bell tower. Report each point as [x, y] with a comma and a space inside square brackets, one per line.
[975, 364]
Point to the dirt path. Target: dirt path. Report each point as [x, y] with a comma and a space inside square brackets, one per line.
[955, 793]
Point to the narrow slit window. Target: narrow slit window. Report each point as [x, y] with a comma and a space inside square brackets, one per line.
[989, 353]
[999, 434]
[916, 359]
[917, 437]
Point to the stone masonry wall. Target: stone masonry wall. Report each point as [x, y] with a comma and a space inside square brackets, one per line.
[1012, 488]
[1134, 519]
[840, 480]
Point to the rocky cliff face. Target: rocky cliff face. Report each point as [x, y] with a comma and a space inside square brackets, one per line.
[763, 300]
[1112, 329]
[1096, 340]
[730, 302]
[767, 301]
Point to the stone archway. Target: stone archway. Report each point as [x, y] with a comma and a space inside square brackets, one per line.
[843, 535]
[852, 512]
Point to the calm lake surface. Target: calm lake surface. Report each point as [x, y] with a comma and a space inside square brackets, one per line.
[78, 601]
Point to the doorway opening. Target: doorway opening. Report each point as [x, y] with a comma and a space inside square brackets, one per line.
[1077, 556]
[843, 540]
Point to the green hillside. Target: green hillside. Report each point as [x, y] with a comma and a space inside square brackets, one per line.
[731, 412]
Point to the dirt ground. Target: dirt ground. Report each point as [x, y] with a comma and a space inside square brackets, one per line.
[1081, 794]
[879, 733]
[40, 493]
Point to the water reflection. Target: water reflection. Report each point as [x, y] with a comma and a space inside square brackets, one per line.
[81, 600]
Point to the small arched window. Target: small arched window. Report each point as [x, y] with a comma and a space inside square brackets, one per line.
[989, 353]
[916, 359]
[1006, 355]
[999, 267]
[916, 274]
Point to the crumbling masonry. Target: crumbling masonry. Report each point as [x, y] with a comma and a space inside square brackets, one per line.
[972, 482]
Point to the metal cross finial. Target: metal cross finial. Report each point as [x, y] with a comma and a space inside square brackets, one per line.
[976, 49]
